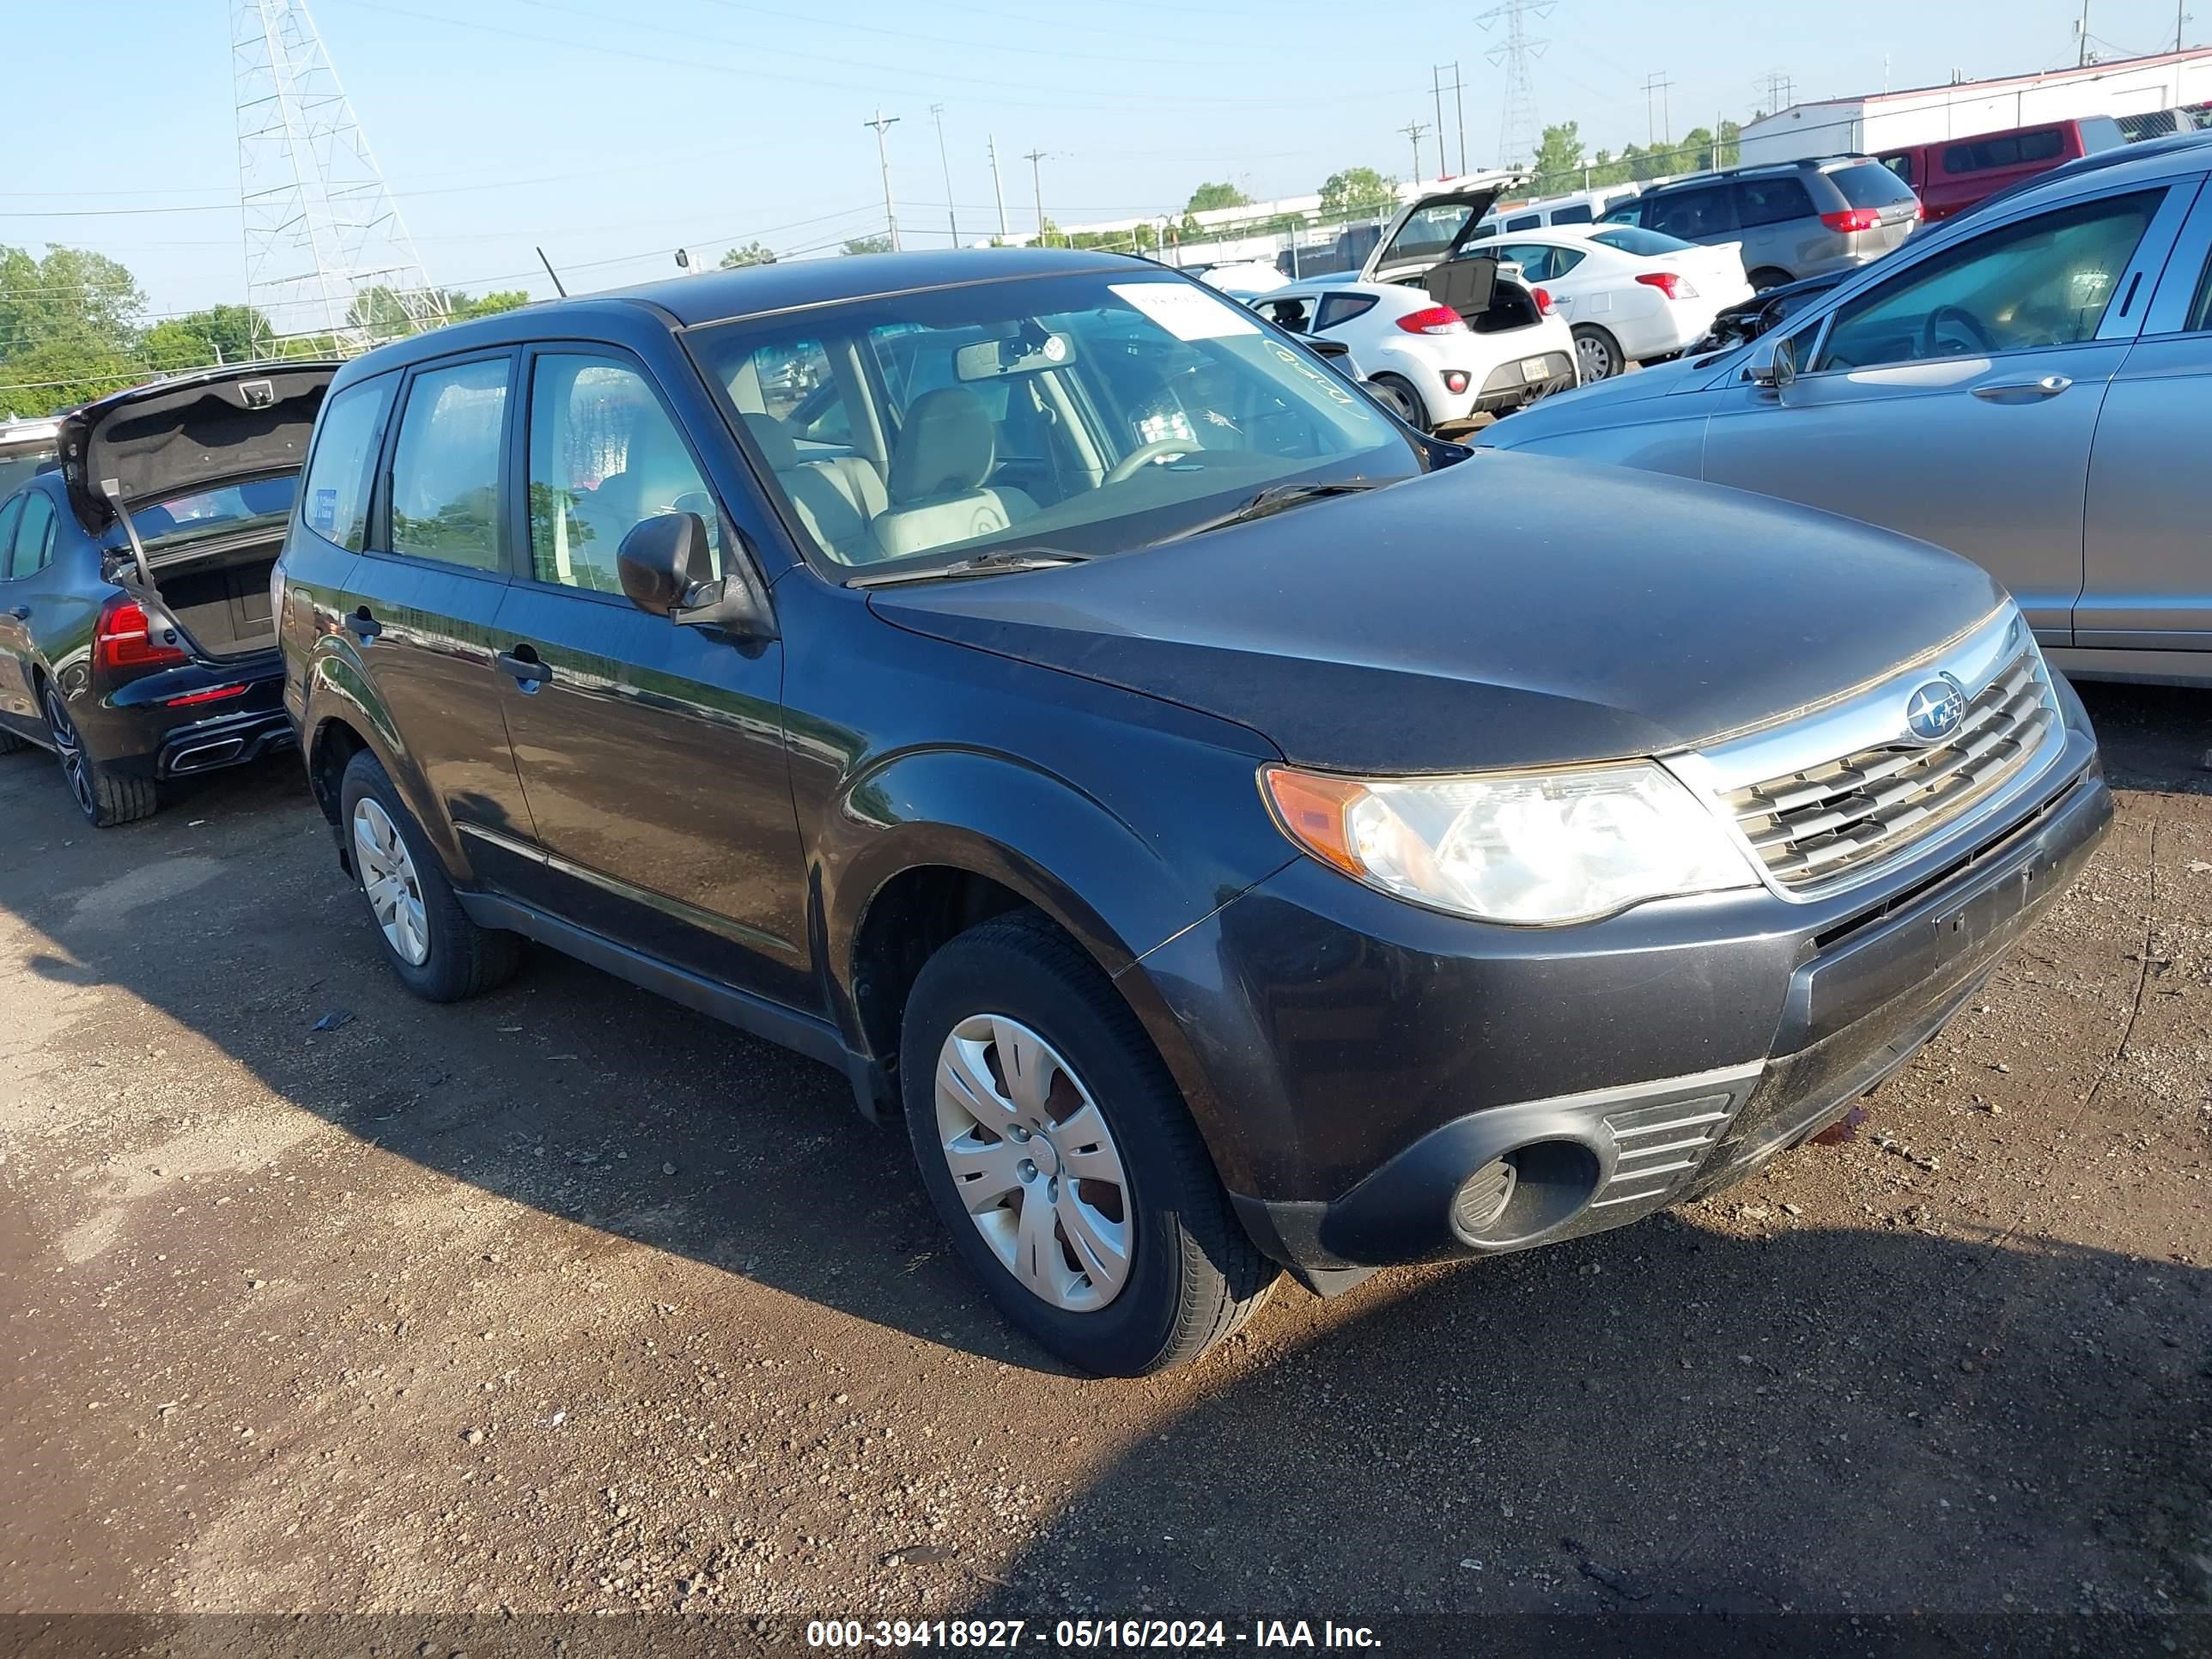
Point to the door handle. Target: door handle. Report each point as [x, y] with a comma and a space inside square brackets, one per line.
[2023, 392]
[529, 670]
[364, 625]
[20, 612]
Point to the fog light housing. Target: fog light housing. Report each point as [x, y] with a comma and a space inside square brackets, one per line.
[1483, 1196]
[1455, 381]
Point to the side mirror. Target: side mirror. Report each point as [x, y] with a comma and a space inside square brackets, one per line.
[1773, 362]
[667, 568]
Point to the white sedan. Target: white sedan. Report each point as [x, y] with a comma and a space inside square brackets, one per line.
[1434, 366]
[1631, 295]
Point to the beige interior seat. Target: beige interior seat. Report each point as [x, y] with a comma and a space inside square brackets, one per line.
[835, 497]
[938, 497]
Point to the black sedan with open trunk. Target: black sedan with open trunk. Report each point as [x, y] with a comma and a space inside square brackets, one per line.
[136, 636]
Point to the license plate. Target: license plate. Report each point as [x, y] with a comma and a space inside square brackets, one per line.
[1536, 368]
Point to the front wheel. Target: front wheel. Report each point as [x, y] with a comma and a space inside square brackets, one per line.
[1597, 355]
[1060, 1156]
[1767, 276]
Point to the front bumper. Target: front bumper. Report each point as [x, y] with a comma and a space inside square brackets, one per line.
[1620, 1068]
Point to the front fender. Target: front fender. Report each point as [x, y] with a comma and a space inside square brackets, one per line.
[340, 695]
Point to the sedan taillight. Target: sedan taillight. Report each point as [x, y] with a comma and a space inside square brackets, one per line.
[1674, 287]
[124, 639]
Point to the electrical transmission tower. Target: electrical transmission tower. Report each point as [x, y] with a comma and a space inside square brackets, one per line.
[326, 252]
[1517, 133]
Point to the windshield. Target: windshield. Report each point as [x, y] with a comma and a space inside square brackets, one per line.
[1645, 244]
[1085, 414]
[214, 512]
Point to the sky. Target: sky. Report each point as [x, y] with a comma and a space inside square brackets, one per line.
[613, 132]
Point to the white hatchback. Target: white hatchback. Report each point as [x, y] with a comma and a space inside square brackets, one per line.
[1434, 366]
[1631, 295]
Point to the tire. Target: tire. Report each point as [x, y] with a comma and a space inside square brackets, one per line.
[105, 796]
[9, 743]
[1597, 354]
[1400, 397]
[458, 958]
[1768, 276]
[1190, 1273]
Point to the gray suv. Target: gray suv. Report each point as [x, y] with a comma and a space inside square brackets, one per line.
[1793, 219]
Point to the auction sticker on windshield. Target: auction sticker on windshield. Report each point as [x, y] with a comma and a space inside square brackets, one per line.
[1187, 311]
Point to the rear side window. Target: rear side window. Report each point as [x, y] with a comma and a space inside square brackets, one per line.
[2200, 311]
[1772, 201]
[1871, 185]
[1342, 308]
[2008, 149]
[11, 515]
[334, 500]
[1525, 221]
[34, 541]
[445, 470]
[1579, 214]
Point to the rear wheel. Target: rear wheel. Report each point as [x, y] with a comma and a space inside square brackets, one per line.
[1398, 395]
[1597, 354]
[1060, 1156]
[437, 952]
[105, 796]
[9, 743]
[1768, 276]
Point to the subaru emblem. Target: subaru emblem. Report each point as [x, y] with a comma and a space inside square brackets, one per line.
[1936, 710]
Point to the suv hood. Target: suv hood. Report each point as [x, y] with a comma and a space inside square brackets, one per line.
[1512, 610]
[175, 437]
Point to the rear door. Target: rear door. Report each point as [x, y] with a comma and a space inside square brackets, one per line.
[421, 600]
[1955, 400]
[651, 754]
[2148, 544]
[1777, 224]
[18, 708]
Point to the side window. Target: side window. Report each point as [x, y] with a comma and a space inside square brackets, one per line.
[1337, 308]
[334, 498]
[604, 455]
[1900, 164]
[34, 541]
[1285, 313]
[2200, 309]
[1564, 260]
[1534, 260]
[1691, 213]
[445, 468]
[1526, 222]
[1579, 214]
[1772, 201]
[11, 515]
[1628, 213]
[2044, 281]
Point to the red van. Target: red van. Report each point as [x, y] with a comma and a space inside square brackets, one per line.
[1953, 174]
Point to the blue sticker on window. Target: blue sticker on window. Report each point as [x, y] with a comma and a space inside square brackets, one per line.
[326, 509]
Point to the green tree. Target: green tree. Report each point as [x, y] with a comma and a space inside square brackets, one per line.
[68, 328]
[220, 334]
[1559, 158]
[463, 307]
[877, 244]
[1208, 198]
[752, 253]
[1729, 150]
[1354, 191]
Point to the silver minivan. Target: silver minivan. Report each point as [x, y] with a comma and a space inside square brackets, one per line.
[1795, 219]
[2025, 383]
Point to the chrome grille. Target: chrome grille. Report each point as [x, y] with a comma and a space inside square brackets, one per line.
[1813, 826]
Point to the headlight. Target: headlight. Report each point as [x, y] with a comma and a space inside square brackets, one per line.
[1529, 848]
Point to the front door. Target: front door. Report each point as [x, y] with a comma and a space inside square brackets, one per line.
[651, 754]
[425, 592]
[2149, 540]
[1956, 401]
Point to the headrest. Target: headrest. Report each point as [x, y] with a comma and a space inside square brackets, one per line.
[658, 470]
[776, 447]
[946, 448]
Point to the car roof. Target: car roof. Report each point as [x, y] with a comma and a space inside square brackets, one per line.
[2175, 154]
[1754, 169]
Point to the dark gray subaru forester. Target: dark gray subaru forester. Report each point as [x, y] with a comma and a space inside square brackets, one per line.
[1233, 829]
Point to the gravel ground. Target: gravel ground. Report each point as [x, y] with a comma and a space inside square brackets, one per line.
[316, 1299]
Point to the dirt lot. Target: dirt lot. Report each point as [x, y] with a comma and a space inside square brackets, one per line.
[313, 1297]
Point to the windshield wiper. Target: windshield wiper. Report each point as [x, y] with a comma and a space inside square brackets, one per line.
[995, 563]
[1277, 497]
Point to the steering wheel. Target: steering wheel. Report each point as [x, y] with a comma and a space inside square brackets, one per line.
[1144, 454]
[1969, 324]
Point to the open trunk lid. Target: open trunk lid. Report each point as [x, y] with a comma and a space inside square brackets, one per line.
[1435, 225]
[178, 438]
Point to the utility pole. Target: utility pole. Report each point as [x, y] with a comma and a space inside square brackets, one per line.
[997, 188]
[1657, 119]
[2081, 29]
[1459, 103]
[1436, 86]
[1036, 179]
[951, 215]
[2180, 17]
[882, 124]
[1417, 130]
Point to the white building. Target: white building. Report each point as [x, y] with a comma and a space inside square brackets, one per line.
[1889, 120]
